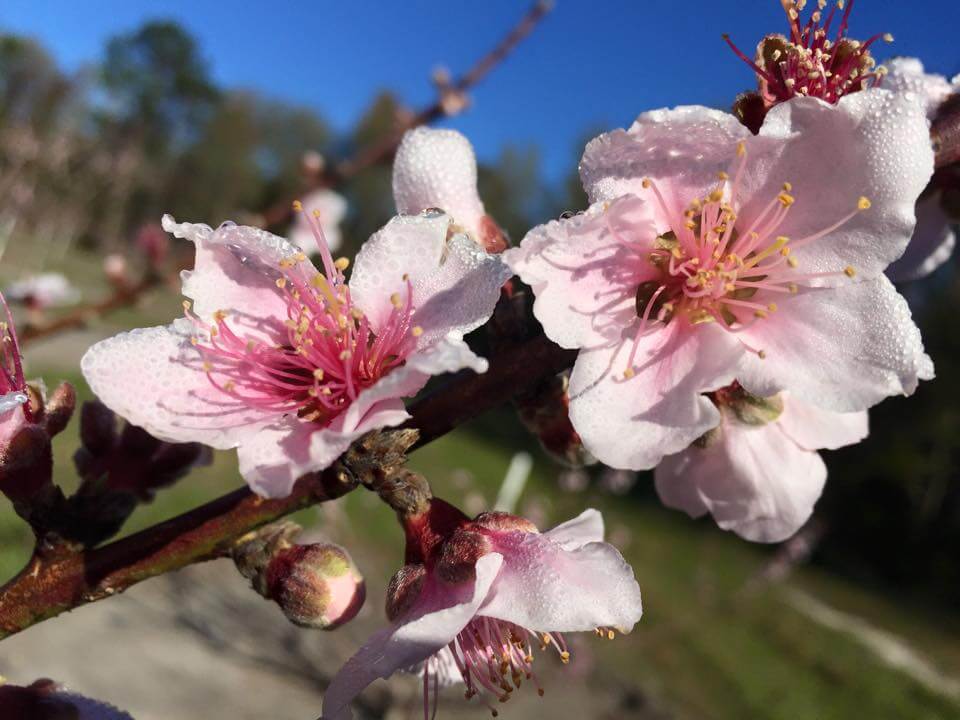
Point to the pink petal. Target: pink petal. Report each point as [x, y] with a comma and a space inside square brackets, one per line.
[812, 428]
[845, 348]
[882, 142]
[236, 269]
[754, 480]
[631, 424]
[455, 284]
[545, 587]
[931, 245]
[441, 612]
[684, 148]
[587, 527]
[154, 378]
[437, 169]
[273, 460]
[573, 273]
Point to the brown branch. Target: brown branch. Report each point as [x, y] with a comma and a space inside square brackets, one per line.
[384, 150]
[60, 577]
[79, 317]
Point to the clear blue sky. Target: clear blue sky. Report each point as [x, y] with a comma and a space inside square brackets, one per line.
[590, 64]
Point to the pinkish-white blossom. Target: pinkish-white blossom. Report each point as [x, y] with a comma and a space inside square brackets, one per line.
[437, 168]
[287, 364]
[14, 407]
[758, 477]
[934, 237]
[326, 207]
[711, 255]
[43, 290]
[476, 597]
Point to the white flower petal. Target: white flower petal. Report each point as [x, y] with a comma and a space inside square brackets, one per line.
[585, 528]
[436, 168]
[843, 349]
[932, 243]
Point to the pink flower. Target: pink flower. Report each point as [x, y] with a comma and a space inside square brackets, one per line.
[475, 596]
[326, 207]
[290, 365]
[934, 238]
[14, 407]
[757, 472]
[438, 169]
[711, 255]
[809, 63]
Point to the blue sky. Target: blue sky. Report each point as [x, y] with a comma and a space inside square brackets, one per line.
[589, 65]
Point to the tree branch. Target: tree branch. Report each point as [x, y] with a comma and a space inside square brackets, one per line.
[60, 577]
[79, 317]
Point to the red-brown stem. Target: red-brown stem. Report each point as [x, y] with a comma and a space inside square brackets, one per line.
[78, 317]
[59, 578]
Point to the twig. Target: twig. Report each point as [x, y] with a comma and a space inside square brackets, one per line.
[384, 150]
[60, 577]
[79, 317]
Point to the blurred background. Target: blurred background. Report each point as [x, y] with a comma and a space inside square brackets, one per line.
[112, 113]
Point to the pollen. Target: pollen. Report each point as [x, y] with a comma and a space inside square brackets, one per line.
[645, 183]
[395, 300]
[864, 203]
[786, 199]
[849, 271]
[297, 206]
[342, 263]
[281, 283]
[416, 331]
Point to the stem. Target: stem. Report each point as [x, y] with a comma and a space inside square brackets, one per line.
[384, 150]
[79, 317]
[60, 577]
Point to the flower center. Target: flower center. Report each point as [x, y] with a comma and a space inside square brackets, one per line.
[808, 62]
[329, 353]
[710, 266]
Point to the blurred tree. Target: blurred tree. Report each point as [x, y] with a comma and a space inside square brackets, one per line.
[513, 190]
[159, 83]
[32, 88]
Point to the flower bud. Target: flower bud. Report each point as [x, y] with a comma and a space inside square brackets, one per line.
[316, 586]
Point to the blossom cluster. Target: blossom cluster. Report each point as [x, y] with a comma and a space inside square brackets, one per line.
[729, 293]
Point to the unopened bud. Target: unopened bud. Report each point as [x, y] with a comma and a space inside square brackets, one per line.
[115, 268]
[545, 412]
[458, 558]
[492, 237]
[59, 408]
[316, 586]
[404, 589]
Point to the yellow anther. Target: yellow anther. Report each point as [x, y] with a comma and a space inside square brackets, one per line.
[761, 314]
[785, 251]
[219, 315]
[787, 187]
[229, 385]
[772, 307]
[316, 214]
[312, 392]
[281, 283]
[213, 331]
[194, 340]
[792, 261]
[299, 257]
[207, 367]
[690, 225]
[297, 206]
[645, 183]
[186, 305]
[887, 37]
[849, 271]
[863, 203]
[786, 199]
[611, 634]
[792, 287]
[629, 373]
[762, 354]
[342, 263]
[416, 331]
[723, 176]
[741, 148]
[395, 300]
[564, 657]
[715, 195]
